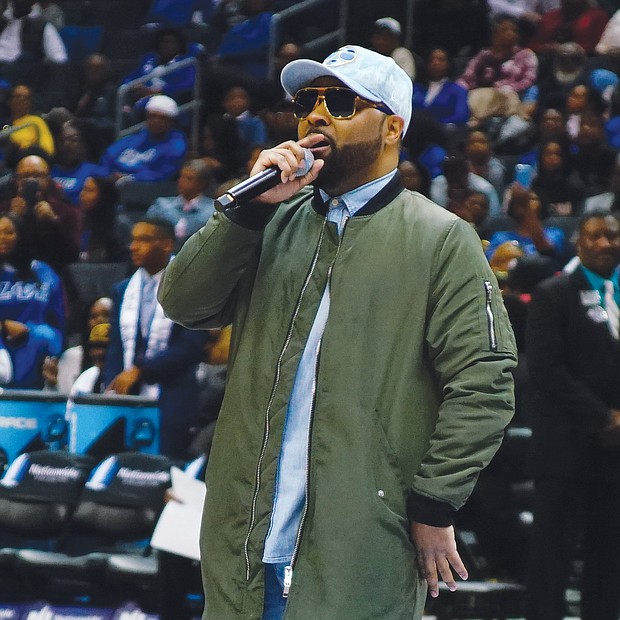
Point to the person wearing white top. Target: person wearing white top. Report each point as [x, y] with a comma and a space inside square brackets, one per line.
[530, 10]
[609, 42]
[386, 39]
[20, 23]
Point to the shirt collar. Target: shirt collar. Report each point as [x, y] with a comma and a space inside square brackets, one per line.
[146, 276]
[190, 205]
[597, 282]
[358, 197]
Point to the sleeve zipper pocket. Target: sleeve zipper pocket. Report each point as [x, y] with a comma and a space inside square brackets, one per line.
[488, 289]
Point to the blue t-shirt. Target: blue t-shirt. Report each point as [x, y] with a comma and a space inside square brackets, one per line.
[143, 158]
[72, 180]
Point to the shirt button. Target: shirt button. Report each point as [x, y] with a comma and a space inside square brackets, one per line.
[381, 493]
[335, 202]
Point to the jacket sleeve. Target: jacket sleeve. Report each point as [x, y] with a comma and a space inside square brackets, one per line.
[198, 288]
[472, 351]
[527, 62]
[547, 356]
[184, 350]
[468, 79]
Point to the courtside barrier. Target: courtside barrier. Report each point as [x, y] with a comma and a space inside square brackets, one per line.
[102, 424]
[31, 420]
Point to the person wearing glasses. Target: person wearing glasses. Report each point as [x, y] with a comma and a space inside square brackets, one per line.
[370, 367]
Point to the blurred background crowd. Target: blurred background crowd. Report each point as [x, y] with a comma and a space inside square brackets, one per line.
[122, 121]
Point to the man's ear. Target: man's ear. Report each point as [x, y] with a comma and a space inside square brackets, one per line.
[394, 129]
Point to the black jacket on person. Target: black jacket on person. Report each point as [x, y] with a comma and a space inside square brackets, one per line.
[574, 366]
[31, 38]
[561, 193]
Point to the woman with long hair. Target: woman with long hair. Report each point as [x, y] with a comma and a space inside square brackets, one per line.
[32, 317]
[558, 186]
[106, 233]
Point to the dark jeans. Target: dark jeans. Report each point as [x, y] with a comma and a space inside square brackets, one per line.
[275, 603]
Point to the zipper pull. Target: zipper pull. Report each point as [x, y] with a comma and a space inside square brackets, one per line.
[288, 579]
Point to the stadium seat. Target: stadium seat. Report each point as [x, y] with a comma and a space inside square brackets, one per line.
[38, 493]
[127, 44]
[112, 523]
[73, 11]
[137, 197]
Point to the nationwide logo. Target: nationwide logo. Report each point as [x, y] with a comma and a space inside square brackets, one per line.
[19, 424]
[47, 473]
[137, 477]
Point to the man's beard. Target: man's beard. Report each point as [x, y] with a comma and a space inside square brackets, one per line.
[346, 161]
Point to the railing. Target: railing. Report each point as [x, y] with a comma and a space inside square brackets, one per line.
[335, 37]
[408, 25]
[192, 106]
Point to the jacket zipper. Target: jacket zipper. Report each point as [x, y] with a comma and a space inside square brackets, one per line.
[289, 335]
[488, 289]
[288, 570]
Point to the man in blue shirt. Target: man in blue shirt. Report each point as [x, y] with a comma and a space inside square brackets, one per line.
[71, 168]
[152, 154]
[188, 211]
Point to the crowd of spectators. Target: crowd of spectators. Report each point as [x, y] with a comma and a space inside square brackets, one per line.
[516, 129]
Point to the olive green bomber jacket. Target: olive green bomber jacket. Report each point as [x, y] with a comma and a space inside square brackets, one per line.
[413, 391]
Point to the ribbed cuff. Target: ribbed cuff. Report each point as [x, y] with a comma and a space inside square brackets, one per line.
[422, 509]
[253, 215]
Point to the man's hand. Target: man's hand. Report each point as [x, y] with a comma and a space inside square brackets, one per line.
[437, 552]
[18, 206]
[124, 381]
[288, 156]
[49, 370]
[43, 211]
[532, 17]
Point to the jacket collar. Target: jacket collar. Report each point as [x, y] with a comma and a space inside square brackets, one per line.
[380, 200]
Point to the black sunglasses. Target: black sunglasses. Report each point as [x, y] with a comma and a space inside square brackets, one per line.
[340, 102]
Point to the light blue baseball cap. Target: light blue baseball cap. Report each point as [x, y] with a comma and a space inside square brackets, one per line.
[371, 75]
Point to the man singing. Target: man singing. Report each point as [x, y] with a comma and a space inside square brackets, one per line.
[370, 368]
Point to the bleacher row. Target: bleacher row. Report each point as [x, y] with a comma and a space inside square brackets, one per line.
[123, 48]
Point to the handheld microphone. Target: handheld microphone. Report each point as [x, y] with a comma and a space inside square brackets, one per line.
[245, 191]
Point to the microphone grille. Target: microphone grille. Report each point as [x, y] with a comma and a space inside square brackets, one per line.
[306, 164]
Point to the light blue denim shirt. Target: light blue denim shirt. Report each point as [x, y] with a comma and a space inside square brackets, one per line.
[290, 489]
